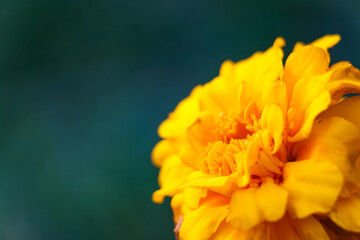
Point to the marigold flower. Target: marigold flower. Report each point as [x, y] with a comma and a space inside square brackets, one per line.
[266, 150]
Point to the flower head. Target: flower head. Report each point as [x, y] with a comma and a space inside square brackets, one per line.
[266, 150]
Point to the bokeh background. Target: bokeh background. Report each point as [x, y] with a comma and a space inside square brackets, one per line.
[84, 85]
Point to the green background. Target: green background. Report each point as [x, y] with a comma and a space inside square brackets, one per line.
[84, 85]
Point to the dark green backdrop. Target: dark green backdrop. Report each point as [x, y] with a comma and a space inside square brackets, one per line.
[84, 85]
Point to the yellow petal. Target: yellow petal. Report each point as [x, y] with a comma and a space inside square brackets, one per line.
[286, 228]
[244, 212]
[200, 133]
[223, 185]
[347, 109]
[327, 41]
[176, 205]
[317, 106]
[344, 79]
[297, 229]
[201, 223]
[192, 196]
[346, 213]
[271, 200]
[251, 206]
[274, 92]
[172, 175]
[309, 99]
[335, 140]
[272, 119]
[305, 62]
[227, 70]
[313, 186]
[256, 74]
[162, 150]
[190, 157]
[219, 95]
[185, 114]
[227, 232]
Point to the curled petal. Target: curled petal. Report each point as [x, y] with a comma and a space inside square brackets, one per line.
[272, 119]
[306, 62]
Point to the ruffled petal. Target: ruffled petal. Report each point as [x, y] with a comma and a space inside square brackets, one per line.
[310, 97]
[346, 213]
[313, 186]
[271, 199]
[164, 149]
[193, 195]
[173, 174]
[344, 79]
[306, 62]
[286, 228]
[244, 212]
[227, 232]
[346, 109]
[223, 185]
[257, 76]
[185, 114]
[335, 140]
[201, 223]
[297, 229]
[251, 206]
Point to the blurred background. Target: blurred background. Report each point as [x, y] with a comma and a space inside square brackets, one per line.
[84, 85]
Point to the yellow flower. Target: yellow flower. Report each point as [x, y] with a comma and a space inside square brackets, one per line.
[266, 150]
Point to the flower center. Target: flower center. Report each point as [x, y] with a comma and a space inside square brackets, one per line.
[229, 127]
[240, 145]
[220, 158]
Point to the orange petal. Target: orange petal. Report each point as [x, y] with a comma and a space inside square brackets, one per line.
[272, 119]
[344, 79]
[310, 98]
[313, 186]
[327, 42]
[201, 223]
[257, 76]
[347, 109]
[223, 185]
[286, 228]
[305, 62]
[297, 229]
[251, 206]
[346, 213]
[335, 140]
